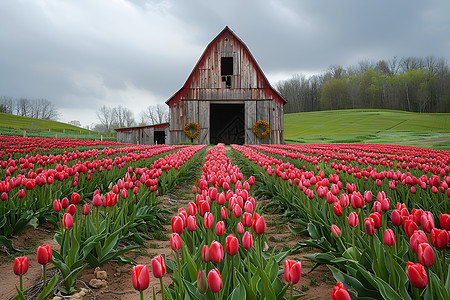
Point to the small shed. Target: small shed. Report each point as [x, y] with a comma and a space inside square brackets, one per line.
[144, 135]
[226, 94]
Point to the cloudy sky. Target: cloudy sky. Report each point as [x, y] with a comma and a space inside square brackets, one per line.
[83, 54]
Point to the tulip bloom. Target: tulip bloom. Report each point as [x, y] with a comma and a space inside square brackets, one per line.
[369, 226]
[396, 217]
[339, 292]
[140, 277]
[158, 266]
[20, 265]
[67, 221]
[177, 224]
[240, 228]
[417, 275]
[292, 271]
[439, 238]
[216, 252]
[353, 219]
[64, 202]
[377, 219]
[427, 221]
[247, 219]
[44, 254]
[247, 240]
[96, 200]
[220, 228]
[337, 208]
[356, 200]
[75, 198]
[223, 213]
[208, 220]
[175, 241]
[205, 253]
[57, 205]
[444, 220]
[231, 245]
[86, 209]
[192, 208]
[417, 238]
[215, 281]
[335, 230]
[191, 223]
[410, 227]
[389, 237]
[426, 254]
[258, 224]
[71, 209]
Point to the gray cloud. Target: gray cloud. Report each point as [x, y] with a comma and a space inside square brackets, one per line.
[85, 54]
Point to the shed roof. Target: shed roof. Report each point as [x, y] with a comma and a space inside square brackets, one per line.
[162, 125]
[224, 31]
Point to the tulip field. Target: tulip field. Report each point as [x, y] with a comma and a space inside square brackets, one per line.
[377, 216]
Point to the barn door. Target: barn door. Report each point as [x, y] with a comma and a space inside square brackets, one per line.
[227, 123]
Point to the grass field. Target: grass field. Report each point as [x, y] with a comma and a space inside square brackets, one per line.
[16, 125]
[369, 126]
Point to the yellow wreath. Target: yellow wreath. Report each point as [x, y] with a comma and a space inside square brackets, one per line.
[188, 127]
[256, 127]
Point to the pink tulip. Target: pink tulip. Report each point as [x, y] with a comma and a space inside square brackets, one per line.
[158, 266]
[426, 254]
[369, 226]
[208, 220]
[175, 241]
[240, 228]
[231, 244]
[389, 237]
[57, 205]
[205, 253]
[86, 209]
[220, 228]
[292, 271]
[67, 221]
[439, 238]
[418, 237]
[192, 209]
[335, 230]
[339, 292]
[353, 219]
[216, 252]
[223, 213]
[140, 277]
[417, 275]
[247, 240]
[191, 223]
[44, 254]
[75, 198]
[258, 224]
[215, 281]
[177, 224]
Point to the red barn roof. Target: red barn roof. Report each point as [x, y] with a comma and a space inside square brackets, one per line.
[263, 83]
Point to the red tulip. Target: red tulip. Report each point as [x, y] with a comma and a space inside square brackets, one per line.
[247, 240]
[353, 219]
[158, 266]
[203, 207]
[369, 226]
[123, 193]
[396, 217]
[389, 237]
[339, 292]
[71, 209]
[368, 197]
[21, 193]
[417, 238]
[439, 238]
[335, 230]
[205, 253]
[215, 281]
[20, 265]
[292, 271]
[44, 254]
[258, 224]
[251, 180]
[191, 223]
[240, 228]
[64, 202]
[75, 198]
[426, 254]
[4, 196]
[57, 205]
[427, 221]
[177, 224]
[344, 200]
[444, 220]
[223, 213]
[192, 209]
[247, 219]
[96, 200]
[337, 208]
[140, 277]
[356, 200]
[377, 219]
[175, 241]
[86, 209]
[417, 275]
[67, 221]
[208, 220]
[220, 228]
[216, 252]
[237, 211]
[410, 227]
[231, 245]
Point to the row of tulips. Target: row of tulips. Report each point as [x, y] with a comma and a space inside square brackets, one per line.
[91, 232]
[223, 217]
[371, 246]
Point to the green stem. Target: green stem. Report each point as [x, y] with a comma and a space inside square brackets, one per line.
[162, 288]
[393, 269]
[248, 266]
[44, 275]
[291, 296]
[353, 243]
[141, 293]
[20, 281]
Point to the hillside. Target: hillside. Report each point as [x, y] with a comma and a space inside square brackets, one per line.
[369, 126]
[15, 125]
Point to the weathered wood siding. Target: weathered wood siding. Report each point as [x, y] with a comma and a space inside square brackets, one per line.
[144, 135]
[205, 85]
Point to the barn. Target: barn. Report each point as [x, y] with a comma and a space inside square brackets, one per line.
[144, 135]
[226, 99]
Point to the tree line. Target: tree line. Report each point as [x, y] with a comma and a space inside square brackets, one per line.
[412, 84]
[111, 118]
[33, 108]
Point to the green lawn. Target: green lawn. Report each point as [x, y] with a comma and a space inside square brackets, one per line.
[369, 126]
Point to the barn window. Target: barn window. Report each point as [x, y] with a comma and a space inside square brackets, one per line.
[226, 70]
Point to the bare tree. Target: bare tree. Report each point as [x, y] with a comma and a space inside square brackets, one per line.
[106, 117]
[75, 123]
[6, 105]
[23, 107]
[123, 117]
[156, 114]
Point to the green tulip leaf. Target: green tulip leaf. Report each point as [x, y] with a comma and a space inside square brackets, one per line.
[250, 294]
[238, 293]
[267, 290]
[192, 267]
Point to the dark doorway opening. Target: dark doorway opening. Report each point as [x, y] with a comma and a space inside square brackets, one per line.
[227, 123]
[160, 137]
